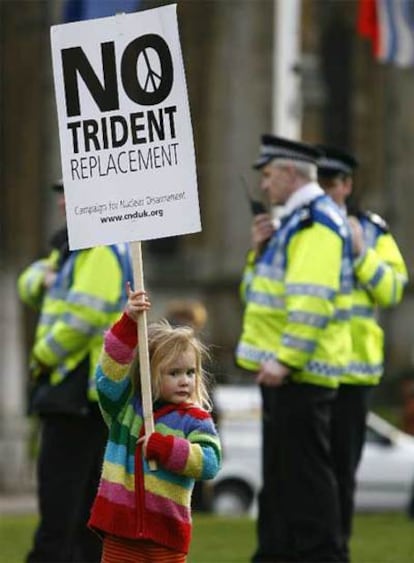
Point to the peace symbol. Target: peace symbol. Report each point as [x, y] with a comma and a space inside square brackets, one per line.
[149, 70]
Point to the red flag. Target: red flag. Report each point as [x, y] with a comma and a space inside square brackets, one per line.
[367, 23]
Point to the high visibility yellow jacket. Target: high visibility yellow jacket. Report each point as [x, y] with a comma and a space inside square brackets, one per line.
[30, 282]
[298, 297]
[380, 277]
[86, 298]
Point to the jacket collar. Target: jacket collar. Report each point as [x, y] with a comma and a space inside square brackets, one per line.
[161, 409]
[301, 197]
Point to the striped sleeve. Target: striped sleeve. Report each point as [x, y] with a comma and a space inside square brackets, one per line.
[89, 307]
[382, 272]
[111, 374]
[30, 283]
[198, 456]
[248, 274]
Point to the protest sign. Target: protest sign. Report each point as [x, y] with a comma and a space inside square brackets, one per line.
[125, 129]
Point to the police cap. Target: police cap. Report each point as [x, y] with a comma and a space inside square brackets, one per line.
[335, 161]
[277, 147]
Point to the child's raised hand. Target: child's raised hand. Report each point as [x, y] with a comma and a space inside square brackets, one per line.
[137, 303]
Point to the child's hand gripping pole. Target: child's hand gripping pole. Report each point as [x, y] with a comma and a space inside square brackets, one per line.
[145, 373]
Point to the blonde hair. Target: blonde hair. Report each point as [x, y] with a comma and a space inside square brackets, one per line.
[165, 344]
[188, 312]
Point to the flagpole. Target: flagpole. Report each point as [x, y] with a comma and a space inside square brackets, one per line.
[144, 363]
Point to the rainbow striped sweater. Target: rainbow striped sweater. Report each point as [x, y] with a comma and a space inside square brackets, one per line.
[133, 501]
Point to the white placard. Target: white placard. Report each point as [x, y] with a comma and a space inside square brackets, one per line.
[126, 139]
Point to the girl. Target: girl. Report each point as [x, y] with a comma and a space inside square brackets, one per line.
[145, 515]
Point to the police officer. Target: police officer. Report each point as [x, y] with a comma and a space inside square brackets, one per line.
[380, 276]
[78, 295]
[296, 340]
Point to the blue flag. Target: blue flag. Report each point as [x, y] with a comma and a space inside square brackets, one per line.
[76, 10]
[396, 32]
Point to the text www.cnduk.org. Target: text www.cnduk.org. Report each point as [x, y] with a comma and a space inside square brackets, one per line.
[135, 215]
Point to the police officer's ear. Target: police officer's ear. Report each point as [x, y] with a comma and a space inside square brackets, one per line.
[348, 183]
[291, 171]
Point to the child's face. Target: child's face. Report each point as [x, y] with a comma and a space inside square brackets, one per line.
[177, 382]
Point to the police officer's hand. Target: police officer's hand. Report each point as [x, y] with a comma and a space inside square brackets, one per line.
[272, 374]
[138, 302]
[357, 235]
[50, 278]
[262, 230]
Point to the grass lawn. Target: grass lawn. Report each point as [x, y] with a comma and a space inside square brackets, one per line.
[378, 538]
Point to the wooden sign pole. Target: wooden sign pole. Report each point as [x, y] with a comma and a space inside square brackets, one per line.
[144, 364]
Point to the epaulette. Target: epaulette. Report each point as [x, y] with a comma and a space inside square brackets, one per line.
[377, 220]
[330, 210]
[326, 212]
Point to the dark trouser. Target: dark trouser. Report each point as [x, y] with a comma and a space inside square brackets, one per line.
[298, 504]
[348, 435]
[69, 467]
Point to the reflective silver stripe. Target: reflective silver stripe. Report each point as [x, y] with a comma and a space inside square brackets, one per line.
[62, 371]
[347, 281]
[70, 320]
[247, 278]
[309, 289]
[346, 287]
[377, 277]
[58, 293]
[340, 166]
[342, 314]
[322, 368]
[370, 232]
[365, 369]
[56, 348]
[40, 266]
[92, 384]
[333, 213]
[361, 311]
[265, 299]
[347, 266]
[249, 352]
[32, 278]
[79, 324]
[92, 302]
[28, 285]
[280, 152]
[401, 278]
[47, 319]
[248, 275]
[398, 280]
[310, 319]
[272, 272]
[301, 344]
